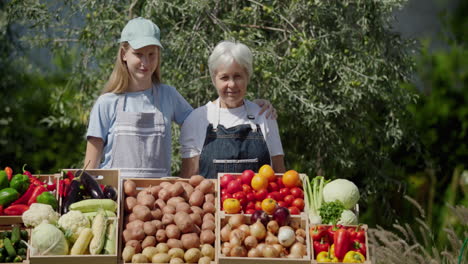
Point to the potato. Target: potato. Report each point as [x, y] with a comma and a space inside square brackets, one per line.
[169, 209]
[142, 212]
[196, 210]
[183, 207]
[136, 244]
[192, 255]
[130, 188]
[126, 235]
[209, 207]
[188, 190]
[207, 237]
[196, 219]
[176, 261]
[209, 198]
[149, 241]
[128, 253]
[135, 224]
[172, 231]
[139, 258]
[149, 228]
[175, 200]
[154, 190]
[165, 185]
[208, 216]
[195, 180]
[174, 243]
[204, 260]
[176, 189]
[190, 240]
[132, 217]
[149, 252]
[157, 214]
[196, 229]
[183, 222]
[164, 194]
[161, 258]
[176, 253]
[167, 219]
[208, 250]
[206, 186]
[208, 225]
[161, 235]
[130, 202]
[162, 248]
[157, 224]
[147, 200]
[197, 198]
[159, 203]
[136, 234]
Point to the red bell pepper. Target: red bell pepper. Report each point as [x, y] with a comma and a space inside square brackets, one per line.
[9, 173]
[26, 196]
[331, 232]
[318, 232]
[342, 242]
[361, 235]
[359, 246]
[37, 191]
[17, 209]
[320, 246]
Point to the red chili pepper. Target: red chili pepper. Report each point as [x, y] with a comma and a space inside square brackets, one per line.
[37, 191]
[317, 232]
[342, 242]
[359, 246]
[9, 173]
[17, 209]
[66, 186]
[70, 175]
[25, 172]
[1, 209]
[50, 185]
[102, 187]
[320, 246]
[26, 196]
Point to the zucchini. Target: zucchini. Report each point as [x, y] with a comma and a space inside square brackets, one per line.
[9, 247]
[93, 205]
[91, 215]
[15, 234]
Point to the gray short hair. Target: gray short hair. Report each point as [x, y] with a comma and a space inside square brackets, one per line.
[227, 52]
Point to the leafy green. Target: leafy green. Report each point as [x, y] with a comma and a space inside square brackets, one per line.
[331, 212]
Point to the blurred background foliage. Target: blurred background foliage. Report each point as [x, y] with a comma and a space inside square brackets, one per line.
[355, 99]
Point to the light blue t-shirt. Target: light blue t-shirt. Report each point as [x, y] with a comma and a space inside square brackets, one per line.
[102, 119]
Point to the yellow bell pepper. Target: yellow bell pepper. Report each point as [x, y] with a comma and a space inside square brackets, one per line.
[326, 257]
[353, 257]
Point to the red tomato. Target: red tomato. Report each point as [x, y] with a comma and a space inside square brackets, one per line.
[239, 195]
[275, 196]
[283, 204]
[294, 211]
[258, 205]
[260, 195]
[280, 182]
[246, 188]
[289, 199]
[297, 192]
[250, 211]
[285, 191]
[273, 187]
[299, 203]
[250, 205]
[225, 196]
[226, 179]
[223, 192]
[247, 176]
[251, 197]
[234, 186]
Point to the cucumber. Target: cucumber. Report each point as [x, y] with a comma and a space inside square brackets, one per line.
[93, 205]
[9, 247]
[15, 234]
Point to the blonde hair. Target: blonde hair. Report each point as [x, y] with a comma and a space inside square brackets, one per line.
[118, 80]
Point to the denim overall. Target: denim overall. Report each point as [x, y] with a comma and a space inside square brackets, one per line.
[137, 148]
[234, 149]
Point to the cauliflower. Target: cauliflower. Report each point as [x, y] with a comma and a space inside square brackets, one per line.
[37, 213]
[72, 223]
[341, 190]
[348, 218]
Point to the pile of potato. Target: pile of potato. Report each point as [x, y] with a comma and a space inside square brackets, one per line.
[170, 222]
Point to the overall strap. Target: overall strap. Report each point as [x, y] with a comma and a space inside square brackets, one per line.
[250, 116]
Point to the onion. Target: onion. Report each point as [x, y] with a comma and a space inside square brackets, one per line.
[261, 247]
[300, 239]
[297, 250]
[270, 252]
[250, 242]
[258, 230]
[260, 214]
[273, 227]
[238, 251]
[237, 233]
[245, 228]
[286, 236]
[282, 216]
[300, 232]
[280, 249]
[271, 239]
[254, 253]
[225, 233]
[235, 241]
[226, 251]
[236, 220]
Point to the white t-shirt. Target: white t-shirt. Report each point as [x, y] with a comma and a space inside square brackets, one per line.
[193, 131]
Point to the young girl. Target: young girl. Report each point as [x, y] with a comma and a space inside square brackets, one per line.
[130, 123]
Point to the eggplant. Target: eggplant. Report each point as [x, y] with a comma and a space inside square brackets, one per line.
[90, 185]
[73, 195]
[110, 192]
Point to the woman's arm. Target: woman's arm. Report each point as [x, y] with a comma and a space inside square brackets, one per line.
[278, 163]
[189, 167]
[94, 149]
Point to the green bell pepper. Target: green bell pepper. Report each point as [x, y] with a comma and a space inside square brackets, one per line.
[4, 183]
[48, 198]
[7, 196]
[20, 182]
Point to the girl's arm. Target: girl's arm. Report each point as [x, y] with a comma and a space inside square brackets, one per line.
[94, 149]
[266, 107]
[189, 167]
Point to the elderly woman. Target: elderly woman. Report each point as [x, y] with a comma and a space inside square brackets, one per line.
[228, 134]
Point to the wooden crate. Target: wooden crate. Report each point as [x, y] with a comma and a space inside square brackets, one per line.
[5, 228]
[368, 261]
[109, 177]
[223, 259]
[142, 183]
[16, 219]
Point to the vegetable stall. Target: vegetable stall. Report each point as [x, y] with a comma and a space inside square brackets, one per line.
[95, 216]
